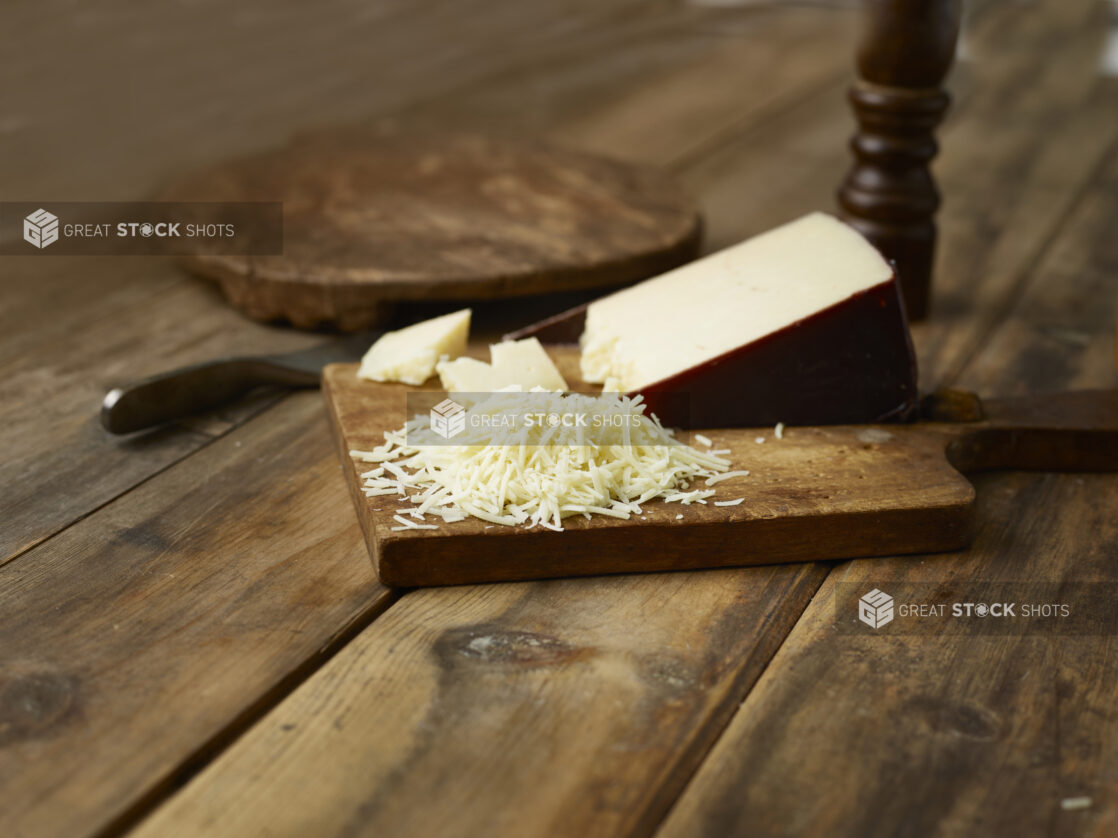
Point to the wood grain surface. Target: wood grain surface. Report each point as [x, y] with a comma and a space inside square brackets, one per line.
[135, 638]
[143, 319]
[570, 707]
[374, 216]
[816, 493]
[1028, 216]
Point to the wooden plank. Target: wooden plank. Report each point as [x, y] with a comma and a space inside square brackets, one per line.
[56, 461]
[268, 70]
[1061, 331]
[665, 87]
[1011, 172]
[132, 644]
[519, 709]
[987, 734]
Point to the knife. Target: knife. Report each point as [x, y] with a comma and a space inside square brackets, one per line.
[202, 387]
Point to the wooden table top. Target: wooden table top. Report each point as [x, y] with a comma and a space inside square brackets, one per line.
[192, 641]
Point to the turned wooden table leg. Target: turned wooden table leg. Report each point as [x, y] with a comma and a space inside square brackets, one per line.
[889, 194]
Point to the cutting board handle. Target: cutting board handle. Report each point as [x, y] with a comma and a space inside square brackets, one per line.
[1075, 430]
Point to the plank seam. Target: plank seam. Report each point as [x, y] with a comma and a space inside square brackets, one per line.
[204, 439]
[163, 788]
[724, 714]
[1028, 276]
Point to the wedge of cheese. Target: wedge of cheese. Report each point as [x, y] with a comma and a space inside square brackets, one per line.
[409, 355]
[802, 324]
[523, 363]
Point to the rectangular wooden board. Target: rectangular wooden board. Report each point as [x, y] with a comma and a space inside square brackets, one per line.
[818, 493]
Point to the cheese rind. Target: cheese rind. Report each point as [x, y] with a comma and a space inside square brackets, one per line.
[802, 324]
[410, 355]
[522, 363]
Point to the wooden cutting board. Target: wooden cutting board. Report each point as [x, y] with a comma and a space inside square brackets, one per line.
[375, 216]
[819, 493]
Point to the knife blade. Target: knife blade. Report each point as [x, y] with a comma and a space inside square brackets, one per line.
[199, 388]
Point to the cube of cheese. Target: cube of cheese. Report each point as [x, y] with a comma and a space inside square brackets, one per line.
[409, 355]
[466, 375]
[523, 363]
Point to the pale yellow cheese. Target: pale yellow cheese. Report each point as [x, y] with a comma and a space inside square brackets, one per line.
[409, 355]
[549, 475]
[466, 375]
[678, 320]
[523, 363]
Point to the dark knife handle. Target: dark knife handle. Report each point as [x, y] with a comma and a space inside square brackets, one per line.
[197, 389]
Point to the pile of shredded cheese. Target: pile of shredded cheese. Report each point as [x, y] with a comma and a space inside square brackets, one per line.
[539, 475]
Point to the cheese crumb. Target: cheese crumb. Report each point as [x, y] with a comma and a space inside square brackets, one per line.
[733, 502]
[778, 431]
[726, 475]
[1071, 804]
[705, 440]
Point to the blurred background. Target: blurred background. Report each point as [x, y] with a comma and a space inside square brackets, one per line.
[106, 101]
[738, 98]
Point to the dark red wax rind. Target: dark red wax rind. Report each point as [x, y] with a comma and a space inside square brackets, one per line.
[847, 364]
[850, 363]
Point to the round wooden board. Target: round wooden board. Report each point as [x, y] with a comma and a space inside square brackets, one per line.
[375, 216]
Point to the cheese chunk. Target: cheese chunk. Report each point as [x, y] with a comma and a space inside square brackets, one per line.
[800, 324]
[409, 355]
[522, 363]
[466, 375]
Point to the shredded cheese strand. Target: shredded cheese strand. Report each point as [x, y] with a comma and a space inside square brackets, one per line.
[538, 475]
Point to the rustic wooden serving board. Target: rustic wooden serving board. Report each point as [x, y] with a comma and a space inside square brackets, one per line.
[819, 493]
[374, 216]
